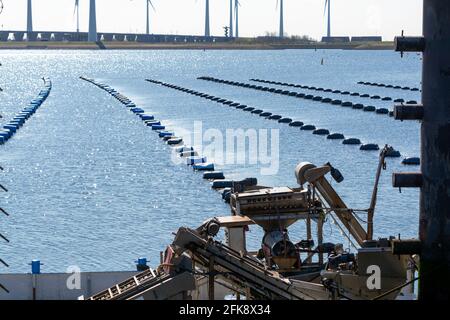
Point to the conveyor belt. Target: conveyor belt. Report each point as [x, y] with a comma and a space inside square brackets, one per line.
[129, 287]
[247, 272]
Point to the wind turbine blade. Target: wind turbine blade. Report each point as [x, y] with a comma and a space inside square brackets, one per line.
[277, 5]
[75, 7]
[150, 1]
[325, 8]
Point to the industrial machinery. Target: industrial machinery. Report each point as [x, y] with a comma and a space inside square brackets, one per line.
[196, 266]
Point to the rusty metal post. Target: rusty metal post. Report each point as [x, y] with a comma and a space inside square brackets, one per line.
[308, 235]
[434, 180]
[211, 279]
[435, 134]
[320, 237]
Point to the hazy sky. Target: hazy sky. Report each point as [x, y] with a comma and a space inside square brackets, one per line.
[302, 17]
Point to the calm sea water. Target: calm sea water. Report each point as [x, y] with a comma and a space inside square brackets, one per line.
[91, 186]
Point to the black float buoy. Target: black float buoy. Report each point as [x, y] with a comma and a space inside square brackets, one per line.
[321, 132]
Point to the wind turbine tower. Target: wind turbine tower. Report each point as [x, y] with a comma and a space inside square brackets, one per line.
[29, 17]
[236, 16]
[92, 36]
[281, 19]
[207, 31]
[149, 4]
[328, 2]
[231, 18]
[77, 9]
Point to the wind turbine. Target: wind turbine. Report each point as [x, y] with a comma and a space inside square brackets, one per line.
[149, 3]
[207, 31]
[281, 35]
[328, 3]
[77, 10]
[236, 16]
[92, 35]
[29, 17]
[231, 18]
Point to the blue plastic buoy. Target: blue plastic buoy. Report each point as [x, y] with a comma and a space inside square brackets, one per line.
[36, 267]
[145, 117]
[174, 141]
[214, 176]
[141, 264]
[156, 127]
[152, 122]
[203, 167]
[163, 134]
[222, 184]
[195, 160]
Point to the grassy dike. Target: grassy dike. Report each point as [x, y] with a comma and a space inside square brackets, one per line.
[114, 45]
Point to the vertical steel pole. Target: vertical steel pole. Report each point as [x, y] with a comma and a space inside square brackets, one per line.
[92, 35]
[231, 18]
[29, 17]
[329, 19]
[236, 17]
[281, 19]
[435, 134]
[207, 31]
[211, 279]
[147, 30]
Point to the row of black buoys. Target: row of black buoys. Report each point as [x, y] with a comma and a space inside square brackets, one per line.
[198, 163]
[316, 98]
[10, 128]
[389, 86]
[337, 102]
[270, 116]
